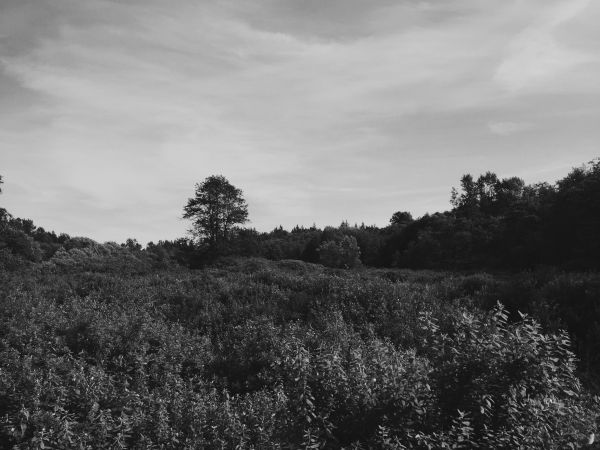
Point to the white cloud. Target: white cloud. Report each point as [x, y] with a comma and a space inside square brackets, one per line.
[508, 128]
[535, 55]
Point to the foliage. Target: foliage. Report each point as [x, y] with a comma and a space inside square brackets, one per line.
[19, 243]
[215, 209]
[513, 386]
[85, 254]
[495, 224]
[401, 218]
[344, 253]
[118, 346]
[257, 354]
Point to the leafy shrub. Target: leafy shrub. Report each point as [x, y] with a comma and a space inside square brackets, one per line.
[85, 254]
[257, 354]
[344, 253]
[17, 245]
[514, 387]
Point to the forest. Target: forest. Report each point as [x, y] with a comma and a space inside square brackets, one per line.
[477, 327]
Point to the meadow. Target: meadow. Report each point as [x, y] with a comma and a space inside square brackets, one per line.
[251, 353]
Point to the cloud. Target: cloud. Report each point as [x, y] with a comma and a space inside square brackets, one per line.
[535, 54]
[508, 128]
[319, 111]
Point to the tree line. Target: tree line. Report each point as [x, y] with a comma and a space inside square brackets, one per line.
[493, 223]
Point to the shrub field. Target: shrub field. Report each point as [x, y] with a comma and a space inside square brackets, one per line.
[251, 353]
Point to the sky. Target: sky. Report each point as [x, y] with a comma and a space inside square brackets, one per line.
[319, 110]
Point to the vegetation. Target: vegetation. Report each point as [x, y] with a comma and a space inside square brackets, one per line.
[206, 343]
[215, 210]
[252, 353]
[344, 253]
[494, 224]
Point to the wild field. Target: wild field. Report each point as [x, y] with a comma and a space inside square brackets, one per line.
[251, 353]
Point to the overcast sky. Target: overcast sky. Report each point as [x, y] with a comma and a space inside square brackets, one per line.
[319, 110]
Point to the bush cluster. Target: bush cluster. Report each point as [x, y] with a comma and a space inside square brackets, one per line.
[257, 354]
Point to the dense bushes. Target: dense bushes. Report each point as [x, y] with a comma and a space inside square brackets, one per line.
[343, 253]
[85, 254]
[568, 301]
[514, 386]
[258, 354]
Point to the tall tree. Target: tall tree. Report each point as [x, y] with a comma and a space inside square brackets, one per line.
[4, 216]
[216, 208]
[468, 198]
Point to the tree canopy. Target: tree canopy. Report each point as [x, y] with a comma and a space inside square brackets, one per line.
[401, 218]
[216, 208]
[3, 212]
